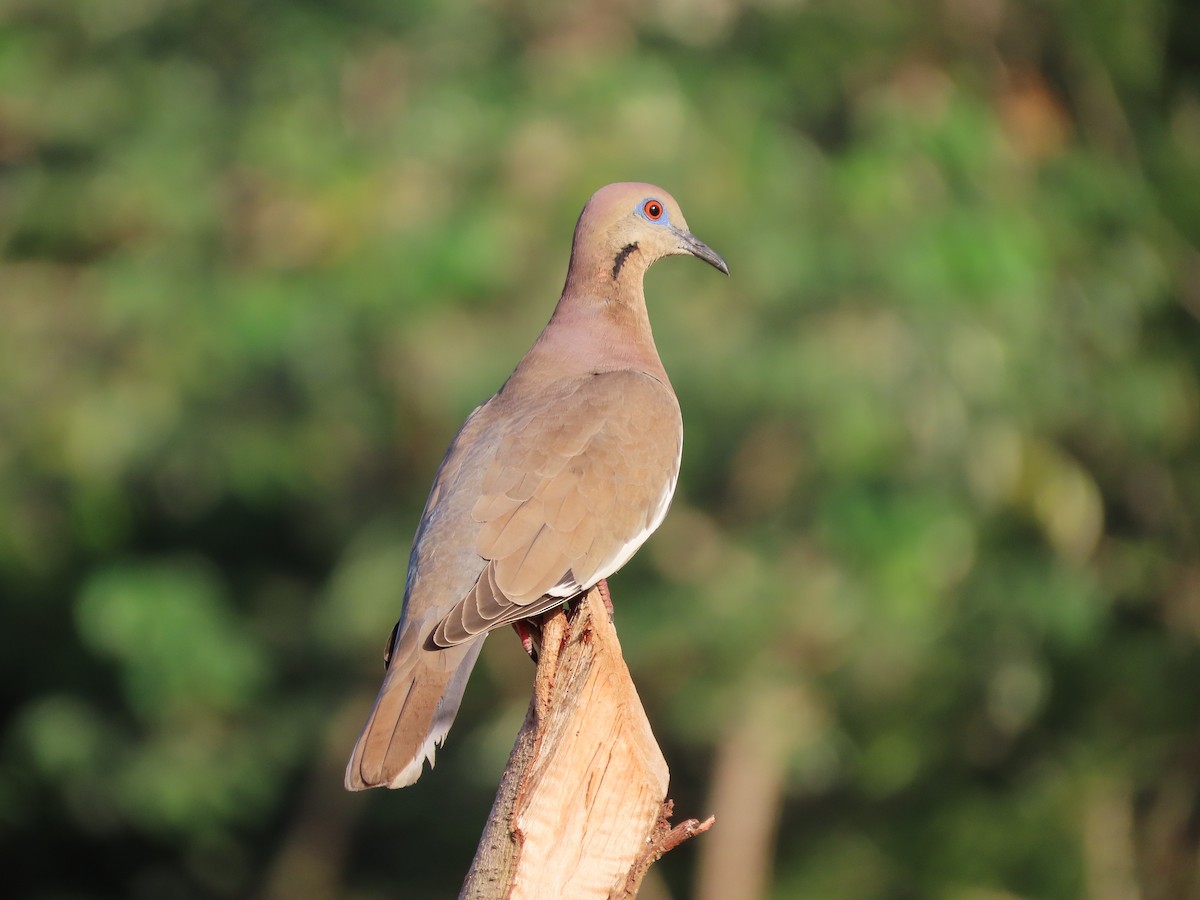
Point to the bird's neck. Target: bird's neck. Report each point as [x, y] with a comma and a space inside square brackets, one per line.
[600, 324]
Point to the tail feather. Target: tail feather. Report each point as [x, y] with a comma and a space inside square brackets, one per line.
[415, 708]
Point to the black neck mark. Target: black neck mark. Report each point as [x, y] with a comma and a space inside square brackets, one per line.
[619, 259]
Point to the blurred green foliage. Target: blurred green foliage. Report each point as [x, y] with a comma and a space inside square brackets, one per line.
[934, 564]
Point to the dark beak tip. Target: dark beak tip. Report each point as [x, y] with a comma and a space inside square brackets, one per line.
[715, 260]
[701, 250]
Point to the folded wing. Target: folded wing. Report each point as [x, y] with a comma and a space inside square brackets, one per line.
[568, 497]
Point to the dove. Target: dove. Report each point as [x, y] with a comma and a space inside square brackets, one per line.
[548, 488]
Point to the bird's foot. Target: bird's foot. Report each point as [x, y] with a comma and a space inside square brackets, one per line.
[521, 627]
[605, 595]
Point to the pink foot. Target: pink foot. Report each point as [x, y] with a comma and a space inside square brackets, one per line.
[522, 631]
[602, 587]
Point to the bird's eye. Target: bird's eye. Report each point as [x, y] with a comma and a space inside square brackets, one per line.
[653, 209]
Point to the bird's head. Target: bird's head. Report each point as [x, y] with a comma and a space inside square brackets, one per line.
[625, 227]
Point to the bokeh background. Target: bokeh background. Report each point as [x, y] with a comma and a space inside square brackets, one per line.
[924, 620]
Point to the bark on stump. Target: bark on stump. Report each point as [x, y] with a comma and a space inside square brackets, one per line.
[581, 811]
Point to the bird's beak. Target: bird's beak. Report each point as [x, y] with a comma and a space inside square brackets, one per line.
[693, 245]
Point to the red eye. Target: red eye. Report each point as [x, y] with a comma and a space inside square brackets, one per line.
[653, 209]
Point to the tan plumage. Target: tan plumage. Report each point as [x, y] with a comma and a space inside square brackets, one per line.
[549, 486]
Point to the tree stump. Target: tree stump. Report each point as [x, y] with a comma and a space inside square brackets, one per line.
[582, 810]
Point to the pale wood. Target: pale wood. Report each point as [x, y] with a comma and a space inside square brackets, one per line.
[580, 812]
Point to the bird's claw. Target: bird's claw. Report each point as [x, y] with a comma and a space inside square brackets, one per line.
[605, 595]
[521, 627]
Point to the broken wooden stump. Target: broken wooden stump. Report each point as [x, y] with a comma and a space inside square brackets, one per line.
[581, 811]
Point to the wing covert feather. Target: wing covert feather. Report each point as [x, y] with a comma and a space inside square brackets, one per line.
[572, 490]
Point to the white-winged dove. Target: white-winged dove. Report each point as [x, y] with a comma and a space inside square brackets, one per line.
[548, 488]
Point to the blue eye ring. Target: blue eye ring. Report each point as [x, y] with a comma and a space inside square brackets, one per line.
[653, 210]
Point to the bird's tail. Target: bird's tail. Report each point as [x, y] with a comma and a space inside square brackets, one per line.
[418, 701]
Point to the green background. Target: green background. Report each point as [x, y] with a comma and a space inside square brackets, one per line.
[923, 621]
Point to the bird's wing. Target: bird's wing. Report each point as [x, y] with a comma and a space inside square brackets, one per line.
[568, 497]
